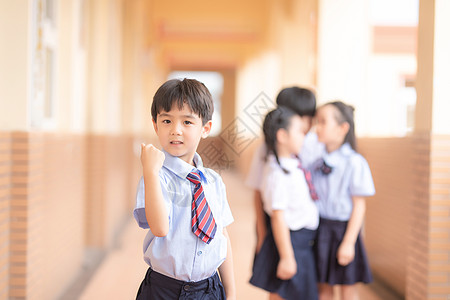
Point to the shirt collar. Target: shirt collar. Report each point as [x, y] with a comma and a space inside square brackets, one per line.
[286, 162]
[335, 157]
[181, 168]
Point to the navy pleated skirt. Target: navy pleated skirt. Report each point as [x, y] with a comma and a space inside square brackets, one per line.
[329, 236]
[304, 283]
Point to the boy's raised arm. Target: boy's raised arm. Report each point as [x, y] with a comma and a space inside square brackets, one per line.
[152, 160]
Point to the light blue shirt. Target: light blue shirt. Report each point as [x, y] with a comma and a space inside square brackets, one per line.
[312, 149]
[181, 254]
[350, 176]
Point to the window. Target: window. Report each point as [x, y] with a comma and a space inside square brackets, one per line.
[392, 67]
[44, 57]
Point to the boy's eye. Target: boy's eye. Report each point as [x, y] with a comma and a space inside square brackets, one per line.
[166, 121]
[187, 122]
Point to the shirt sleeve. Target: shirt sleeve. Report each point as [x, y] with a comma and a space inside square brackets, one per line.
[275, 197]
[361, 183]
[254, 176]
[139, 209]
[227, 216]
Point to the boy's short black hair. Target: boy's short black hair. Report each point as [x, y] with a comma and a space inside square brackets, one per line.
[300, 100]
[191, 92]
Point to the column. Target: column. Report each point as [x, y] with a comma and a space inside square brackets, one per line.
[428, 274]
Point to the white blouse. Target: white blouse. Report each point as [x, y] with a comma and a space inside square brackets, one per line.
[288, 192]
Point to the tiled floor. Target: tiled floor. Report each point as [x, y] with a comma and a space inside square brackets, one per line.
[119, 275]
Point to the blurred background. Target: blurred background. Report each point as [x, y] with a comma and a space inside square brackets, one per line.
[77, 79]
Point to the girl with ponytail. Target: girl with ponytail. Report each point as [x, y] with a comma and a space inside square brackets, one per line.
[285, 264]
[342, 179]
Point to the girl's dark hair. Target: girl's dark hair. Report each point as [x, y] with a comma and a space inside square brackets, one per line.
[279, 118]
[345, 113]
[300, 100]
[187, 91]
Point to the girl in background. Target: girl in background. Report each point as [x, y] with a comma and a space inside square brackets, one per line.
[303, 102]
[285, 264]
[342, 179]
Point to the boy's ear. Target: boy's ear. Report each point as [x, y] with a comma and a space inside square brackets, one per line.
[206, 129]
[155, 126]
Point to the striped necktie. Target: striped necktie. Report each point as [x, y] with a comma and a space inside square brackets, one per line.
[312, 190]
[202, 222]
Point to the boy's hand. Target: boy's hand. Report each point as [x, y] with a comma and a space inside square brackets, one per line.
[152, 158]
[287, 268]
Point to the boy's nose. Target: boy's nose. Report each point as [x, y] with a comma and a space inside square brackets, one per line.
[176, 129]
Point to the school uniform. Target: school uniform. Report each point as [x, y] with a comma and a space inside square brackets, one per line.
[337, 177]
[180, 263]
[290, 193]
[312, 149]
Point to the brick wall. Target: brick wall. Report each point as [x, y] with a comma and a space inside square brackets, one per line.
[439, 220]
[387, 217]
[5, 181]
[112, 173]
[62, 211]
[46, 214]
[25, 243]
[94, 192]
[61, 194]
[46, 181]
[407, 228]
[418, 242]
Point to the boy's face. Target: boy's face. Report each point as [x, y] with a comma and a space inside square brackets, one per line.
[307, 120]
[180, 131]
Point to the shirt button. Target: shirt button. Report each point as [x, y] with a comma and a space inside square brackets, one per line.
[187, 287]
[199, 253]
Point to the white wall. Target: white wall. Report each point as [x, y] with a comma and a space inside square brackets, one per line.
[441, 89]
[387, 96]
[343, 51]
[258, 79]
[14, 64]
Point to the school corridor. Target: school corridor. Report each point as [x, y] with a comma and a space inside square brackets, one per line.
[77, 80]
[120, 273]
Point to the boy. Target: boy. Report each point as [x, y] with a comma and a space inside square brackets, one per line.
[187, 241]
[303, 102]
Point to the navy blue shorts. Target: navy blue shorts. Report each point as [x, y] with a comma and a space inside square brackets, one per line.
[304, 283]
[156, 286]
[329, 237]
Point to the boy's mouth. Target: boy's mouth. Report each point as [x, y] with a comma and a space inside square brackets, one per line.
[176, 142]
